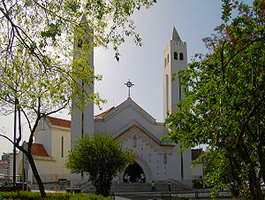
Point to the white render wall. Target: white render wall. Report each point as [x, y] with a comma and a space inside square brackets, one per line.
[150, 155]
[57, 134]
[51, 138]
[150, 152]
[88, 114]
[187, 164]
[125, 114]
[197, 171]
[129, 121]
[171, 69]
[44, 135]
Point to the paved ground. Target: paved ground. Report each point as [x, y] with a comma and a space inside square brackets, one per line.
[158, 195]
[137, 195]
[121, 198]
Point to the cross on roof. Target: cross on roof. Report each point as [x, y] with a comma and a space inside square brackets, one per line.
[129, 84]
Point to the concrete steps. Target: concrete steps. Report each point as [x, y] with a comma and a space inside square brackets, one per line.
[140, 187]
[125, 187]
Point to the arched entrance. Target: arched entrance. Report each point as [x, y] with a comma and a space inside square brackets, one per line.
[135, 174]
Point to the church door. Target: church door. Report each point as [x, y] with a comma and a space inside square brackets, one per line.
[135, 174]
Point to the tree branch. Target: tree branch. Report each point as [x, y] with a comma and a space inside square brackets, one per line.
[4, 136]
[242, 50]
[245, 123]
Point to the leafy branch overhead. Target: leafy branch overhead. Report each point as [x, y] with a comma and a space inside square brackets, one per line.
[47, 31]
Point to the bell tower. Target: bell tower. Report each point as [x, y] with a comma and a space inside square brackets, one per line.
[82, 121]
[175, 59]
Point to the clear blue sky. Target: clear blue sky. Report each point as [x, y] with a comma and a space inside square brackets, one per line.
[193, 19]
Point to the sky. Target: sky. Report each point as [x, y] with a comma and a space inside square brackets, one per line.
[193, 19]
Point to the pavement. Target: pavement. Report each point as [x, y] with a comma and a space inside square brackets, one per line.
[137, 195]
[121, 198]
[202, 193]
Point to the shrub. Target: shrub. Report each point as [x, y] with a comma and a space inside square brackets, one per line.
[58, 196]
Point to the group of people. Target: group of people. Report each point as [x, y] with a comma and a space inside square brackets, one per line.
[127, 179]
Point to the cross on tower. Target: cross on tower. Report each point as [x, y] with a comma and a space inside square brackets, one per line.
[129, 84]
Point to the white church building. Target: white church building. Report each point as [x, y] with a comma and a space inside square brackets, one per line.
[130, 124]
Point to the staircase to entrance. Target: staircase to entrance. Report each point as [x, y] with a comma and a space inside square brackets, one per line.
[161, 186]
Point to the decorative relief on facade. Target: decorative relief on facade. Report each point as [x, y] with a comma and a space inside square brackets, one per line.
[134, 141]
[165, 158]
[138, 135]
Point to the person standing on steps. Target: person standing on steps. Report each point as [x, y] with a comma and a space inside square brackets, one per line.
[169, 186]
[153, 186]
[142, 178]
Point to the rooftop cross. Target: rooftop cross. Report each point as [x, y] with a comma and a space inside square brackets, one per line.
[129, 84]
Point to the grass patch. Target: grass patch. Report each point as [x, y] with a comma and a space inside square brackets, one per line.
[60, 196]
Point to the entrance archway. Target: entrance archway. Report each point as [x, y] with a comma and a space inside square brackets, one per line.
[135, 172]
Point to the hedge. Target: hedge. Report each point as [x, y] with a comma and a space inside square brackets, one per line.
[60, 196]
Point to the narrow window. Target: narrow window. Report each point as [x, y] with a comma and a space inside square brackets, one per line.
[167, 95]
[167, 58]
[175, 56]
[165, 62]
[181, 166]
[62, 147]
[181, 56]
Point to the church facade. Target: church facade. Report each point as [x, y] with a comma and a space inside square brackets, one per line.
[130, 124]
[139, 131]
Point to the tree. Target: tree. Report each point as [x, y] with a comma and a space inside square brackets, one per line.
[35, 94]
[38, 40]
[101, 157]
[224, 105]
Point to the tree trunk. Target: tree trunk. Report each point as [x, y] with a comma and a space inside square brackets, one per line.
[255, 188]
[261, 160]
[36, 174]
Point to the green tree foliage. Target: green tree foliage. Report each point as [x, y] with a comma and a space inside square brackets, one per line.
[38, 40]
[224, 106]
[101, 157]
[38, 24]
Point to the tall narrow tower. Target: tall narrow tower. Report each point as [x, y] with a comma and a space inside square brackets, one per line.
[82, 121]
[175, 59]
